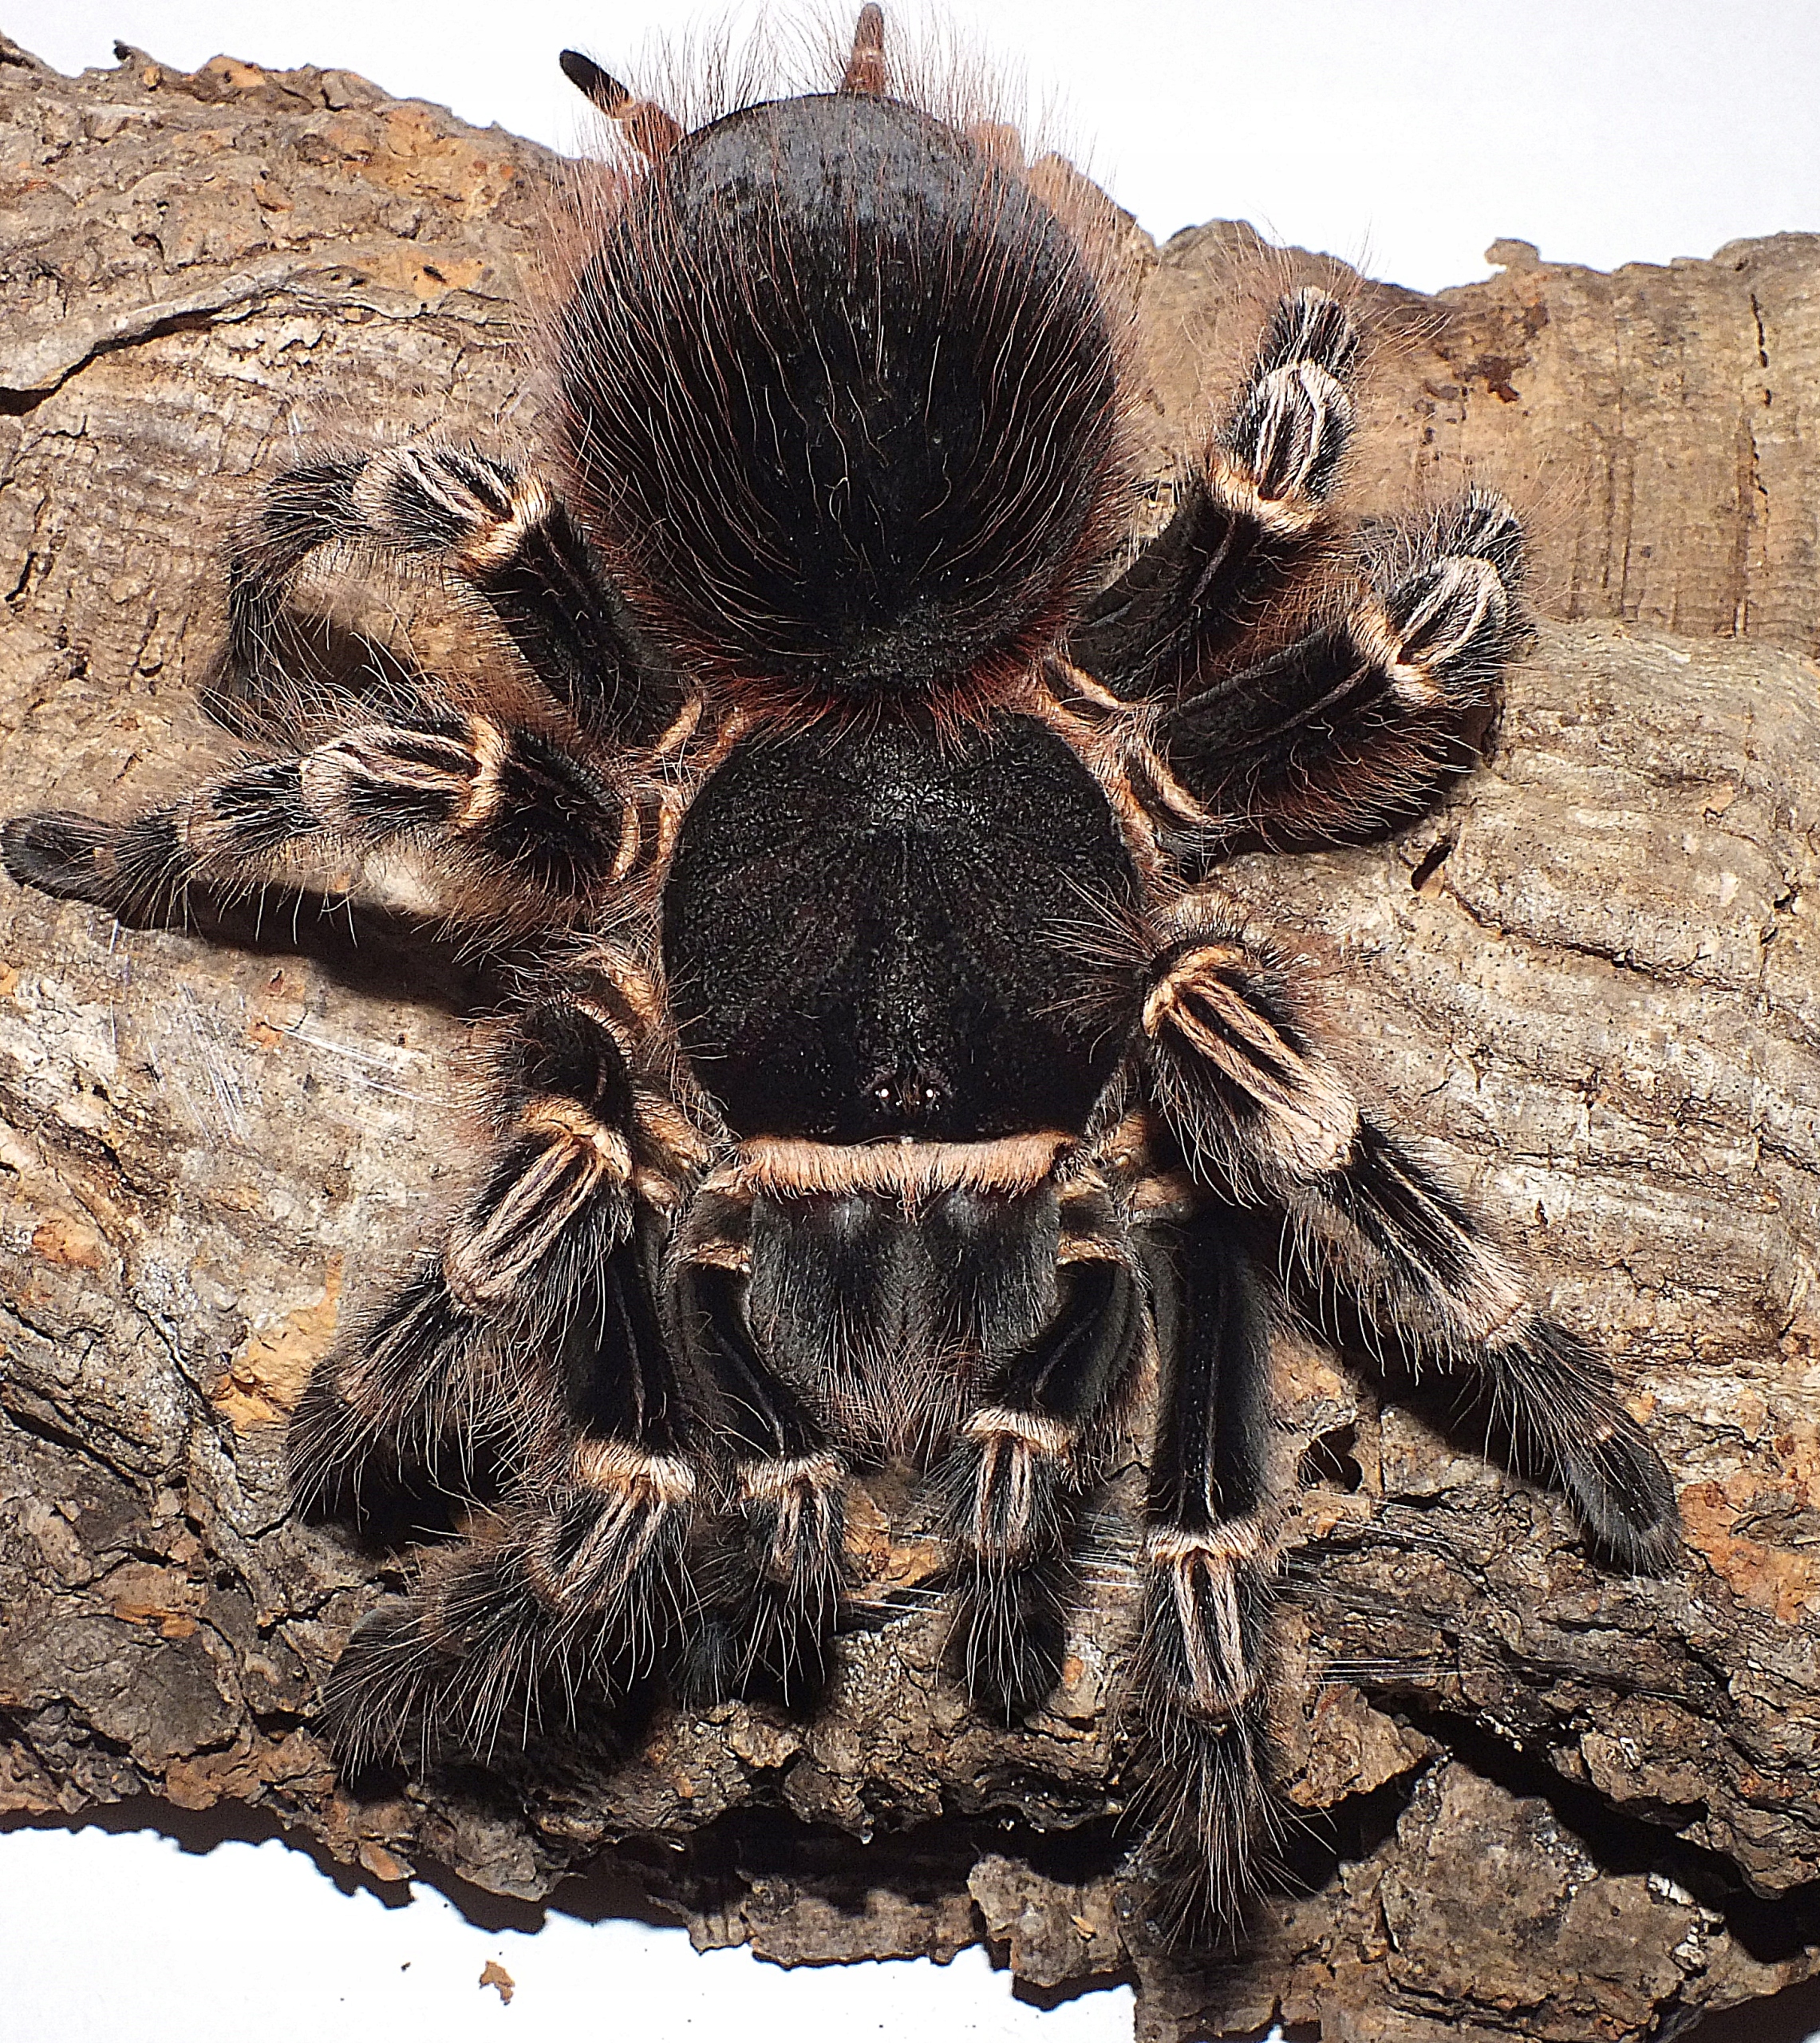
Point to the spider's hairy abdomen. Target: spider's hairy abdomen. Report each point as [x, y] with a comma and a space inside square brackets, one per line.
[840, 401]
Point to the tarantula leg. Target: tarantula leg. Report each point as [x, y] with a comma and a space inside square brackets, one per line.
[1258, 1105]
[478, 800]
[502, 533]
[781, 1575]
[461, 1361]
[1353, 728]
[420, 1392]
[1250, 520]
[1203, 1670]
[789, 1575]
[1015, 1478]
[582, 1580]
[132, 869]
[581, 1585]
[1266, 1120]
[1389, 1233]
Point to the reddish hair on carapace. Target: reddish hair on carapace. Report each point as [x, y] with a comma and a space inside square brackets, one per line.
[838, 397]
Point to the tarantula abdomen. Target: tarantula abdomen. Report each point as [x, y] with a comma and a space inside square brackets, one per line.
[856, 540]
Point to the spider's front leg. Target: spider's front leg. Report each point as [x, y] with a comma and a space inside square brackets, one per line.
[578, 1580]
[772, 1591]
[1266, 1123]
[531, 1339]
[455, 1370]
[1204, 1659]
[1266, 1120]
[1026, 1455]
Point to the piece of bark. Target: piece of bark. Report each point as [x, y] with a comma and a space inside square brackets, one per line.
[1541, 1799]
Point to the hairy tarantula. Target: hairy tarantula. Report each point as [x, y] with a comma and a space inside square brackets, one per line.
[891, 1077]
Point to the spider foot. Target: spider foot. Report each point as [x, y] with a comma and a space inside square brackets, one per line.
[1011, 1485]
[1009, 1632]
[586, 1591]
[1288, 432]
[1440, 620]
[136, 867]
[1559, 1391]
[1209, 1817]
[465, 1662]
[1309, 325]
[1206, 1799]
[780, 1594]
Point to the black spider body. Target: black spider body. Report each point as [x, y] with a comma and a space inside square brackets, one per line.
[863, 930]
[839, 398]
[892, 1075]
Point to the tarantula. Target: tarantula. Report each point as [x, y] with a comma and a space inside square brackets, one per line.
[891, 1076]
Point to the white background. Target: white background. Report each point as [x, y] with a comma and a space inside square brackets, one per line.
[1414, 133]
[1402, 136]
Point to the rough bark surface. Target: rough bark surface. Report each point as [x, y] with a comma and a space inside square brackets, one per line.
[1543, 1800]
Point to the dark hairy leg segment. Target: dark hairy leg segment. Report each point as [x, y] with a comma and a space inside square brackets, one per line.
[1266, 1119]
[533, 1328]
[1202, 1687]
[502, 532]
[1027, 1454]
[1356, 726]
[1249, 521]
[508, 826]
[1387, 1233]
[773, 1591]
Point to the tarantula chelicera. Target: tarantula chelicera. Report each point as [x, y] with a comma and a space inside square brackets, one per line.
[891, 1078]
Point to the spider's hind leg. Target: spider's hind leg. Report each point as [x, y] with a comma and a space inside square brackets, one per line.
[1355, 726]
[495, 529]
[505, 825]
[1251, 519]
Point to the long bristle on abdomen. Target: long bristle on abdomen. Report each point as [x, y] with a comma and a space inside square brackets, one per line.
[840, 399]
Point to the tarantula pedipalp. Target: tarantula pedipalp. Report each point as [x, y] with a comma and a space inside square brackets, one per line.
[894, 1077]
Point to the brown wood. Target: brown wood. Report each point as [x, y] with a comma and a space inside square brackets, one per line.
[1543, 1800]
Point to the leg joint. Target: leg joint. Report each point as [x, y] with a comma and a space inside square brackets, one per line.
[613, 1465]
[1036, 1432]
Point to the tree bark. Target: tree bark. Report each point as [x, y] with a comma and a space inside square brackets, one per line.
[1542, 1799]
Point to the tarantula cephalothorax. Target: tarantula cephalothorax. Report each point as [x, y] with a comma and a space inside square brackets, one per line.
[891, 1078]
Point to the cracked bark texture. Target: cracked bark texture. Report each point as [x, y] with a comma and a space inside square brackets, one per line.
[1541, 1799]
